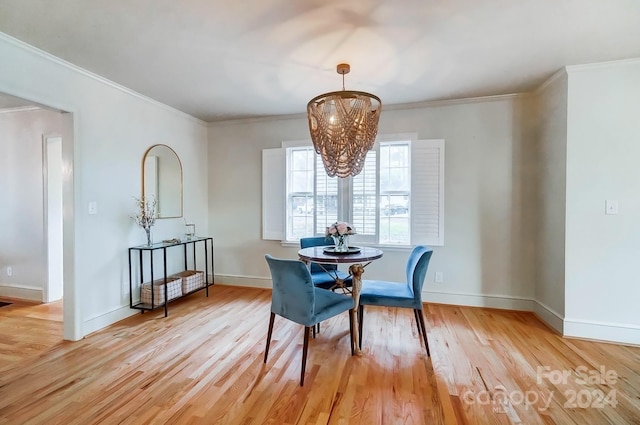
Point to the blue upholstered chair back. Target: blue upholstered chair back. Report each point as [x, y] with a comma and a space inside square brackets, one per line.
[295, 298]
[318, 241]
[293, 294]
[416, 271]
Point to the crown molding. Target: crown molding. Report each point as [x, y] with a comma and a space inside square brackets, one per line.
[20, 109]
[561, 72]
[251, 120]
[48, 56]
[451, 102]
[393, 107]
[600, 65]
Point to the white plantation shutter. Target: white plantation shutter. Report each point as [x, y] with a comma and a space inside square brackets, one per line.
[365, 199]
[326, 196]
[273, 193]
[427, 192]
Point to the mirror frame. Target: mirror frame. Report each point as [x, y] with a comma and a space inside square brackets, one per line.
[144, 159]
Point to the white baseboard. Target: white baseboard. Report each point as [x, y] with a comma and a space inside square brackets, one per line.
[474, 300]
[22, 292]
[549, 316]
[610, 332]
[248, 281]
[99, 322]
[492, 301]
[504, 302]
[602, 331]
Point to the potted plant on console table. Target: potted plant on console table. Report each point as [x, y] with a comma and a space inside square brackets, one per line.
[146, 215]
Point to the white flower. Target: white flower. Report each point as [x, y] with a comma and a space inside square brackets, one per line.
[146, 214]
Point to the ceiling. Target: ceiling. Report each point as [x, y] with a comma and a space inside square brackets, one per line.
[221, 59]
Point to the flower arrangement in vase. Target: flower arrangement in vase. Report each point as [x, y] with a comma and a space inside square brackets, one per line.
[340, 232]
[146, 215]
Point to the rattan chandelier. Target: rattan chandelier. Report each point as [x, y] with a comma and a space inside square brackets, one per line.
[343, 126]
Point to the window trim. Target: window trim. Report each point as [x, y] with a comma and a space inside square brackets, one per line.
[271, 232]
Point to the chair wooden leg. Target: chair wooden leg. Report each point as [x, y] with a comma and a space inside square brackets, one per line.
[316, 330]
[351, 342]
[360, 320]
[415, 316]
[305, 348]
[419, 323]
[266, 351]
[422, 328]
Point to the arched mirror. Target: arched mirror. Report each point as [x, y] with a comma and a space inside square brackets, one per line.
[162, 179]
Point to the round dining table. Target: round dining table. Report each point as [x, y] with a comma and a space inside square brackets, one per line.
[358, 258]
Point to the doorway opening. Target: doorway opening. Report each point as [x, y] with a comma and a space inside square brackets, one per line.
[39, 259]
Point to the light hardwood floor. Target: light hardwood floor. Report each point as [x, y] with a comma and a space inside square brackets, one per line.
[203, 365]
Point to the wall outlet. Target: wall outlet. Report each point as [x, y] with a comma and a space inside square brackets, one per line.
[438, 278]
[611, 207]
[9, 271]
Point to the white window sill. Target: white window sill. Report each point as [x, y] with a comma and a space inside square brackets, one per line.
[296, 244]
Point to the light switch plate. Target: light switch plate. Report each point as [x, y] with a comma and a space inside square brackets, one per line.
[611, 207]
[93, 207]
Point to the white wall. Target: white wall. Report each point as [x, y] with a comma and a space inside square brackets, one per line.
[551, 199]
[488, 248]
[112, 128]
[491, 201]
[22, 244]
[603, 157]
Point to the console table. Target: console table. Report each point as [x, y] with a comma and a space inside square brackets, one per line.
[145, 254]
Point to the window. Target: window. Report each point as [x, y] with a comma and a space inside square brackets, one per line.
[397, 199]
[380, 195]
[395, 193]
[300, 192]
[312, 196]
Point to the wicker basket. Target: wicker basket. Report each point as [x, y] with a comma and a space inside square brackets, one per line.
[174, 288]
[191, 280]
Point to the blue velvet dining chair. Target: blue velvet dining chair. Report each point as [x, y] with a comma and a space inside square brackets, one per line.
[295, 298]
[403, 295]
[324, 276]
